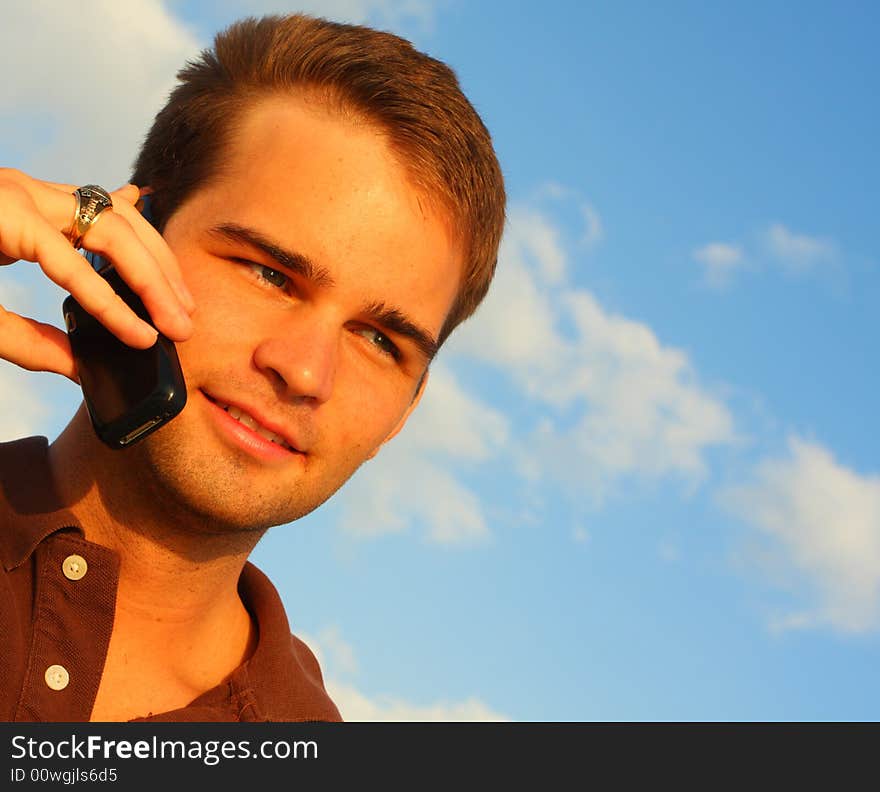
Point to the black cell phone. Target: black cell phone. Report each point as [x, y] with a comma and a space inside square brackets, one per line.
[129, 392]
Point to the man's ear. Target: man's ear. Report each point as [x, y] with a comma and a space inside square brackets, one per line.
[416, 399]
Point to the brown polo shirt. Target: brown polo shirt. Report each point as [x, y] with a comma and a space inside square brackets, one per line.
[57, 603]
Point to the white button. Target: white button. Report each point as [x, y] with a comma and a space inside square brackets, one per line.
[57, 677]
[74, 567]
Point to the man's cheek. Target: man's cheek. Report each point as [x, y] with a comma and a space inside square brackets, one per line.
[211, 340]
[358, 441]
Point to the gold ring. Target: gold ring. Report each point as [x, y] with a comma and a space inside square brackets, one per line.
[91, 201]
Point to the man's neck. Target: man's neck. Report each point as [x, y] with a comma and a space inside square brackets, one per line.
[178, 582]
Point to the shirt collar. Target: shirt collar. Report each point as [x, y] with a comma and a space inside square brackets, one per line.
[30, 507]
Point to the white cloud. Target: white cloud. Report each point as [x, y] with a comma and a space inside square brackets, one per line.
[400, 491]
[554, 191]
[335, 652]
[822, 521]
[614, 400]
[527, 230]
[798, 253]
[515, 327]
[592, 232]
[593, 229]
[775, 246]
[355, 706]
[84, 80]
[96, 74]
[719, 261]
[452, 421]
[407, 483]
[22, 411]
[92, 77]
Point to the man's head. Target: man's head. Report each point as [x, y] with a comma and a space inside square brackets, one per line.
[336, 207]
[364, 75]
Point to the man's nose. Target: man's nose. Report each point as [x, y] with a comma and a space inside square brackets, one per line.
[303, 353]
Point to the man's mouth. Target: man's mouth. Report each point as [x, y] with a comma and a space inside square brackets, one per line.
[251, 423]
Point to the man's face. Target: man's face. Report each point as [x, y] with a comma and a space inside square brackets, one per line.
[317, 271]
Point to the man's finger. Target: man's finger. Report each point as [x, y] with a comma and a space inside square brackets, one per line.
[160, 251]
[114, 237]
[35, 346]
[74, 274]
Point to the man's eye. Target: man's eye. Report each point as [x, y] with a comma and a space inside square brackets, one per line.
[384, 344]
[269, 275]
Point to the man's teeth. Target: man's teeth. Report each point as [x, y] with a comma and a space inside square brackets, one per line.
[250, 423]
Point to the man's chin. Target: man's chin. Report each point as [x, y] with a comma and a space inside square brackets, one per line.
[216, 491]
[224, 490]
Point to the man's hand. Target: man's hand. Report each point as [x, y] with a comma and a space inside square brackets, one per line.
[33, 218]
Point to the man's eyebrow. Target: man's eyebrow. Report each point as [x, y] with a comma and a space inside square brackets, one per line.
[397, 322]
[295, 262]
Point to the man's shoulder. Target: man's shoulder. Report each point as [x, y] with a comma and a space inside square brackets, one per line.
[284, 672]
[30, 508]
[21, 451]
[306, 656]
[23, 466]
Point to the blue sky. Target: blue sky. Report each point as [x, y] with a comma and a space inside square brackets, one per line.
[644, 482]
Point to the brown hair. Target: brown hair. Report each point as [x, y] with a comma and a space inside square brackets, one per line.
[415, 99]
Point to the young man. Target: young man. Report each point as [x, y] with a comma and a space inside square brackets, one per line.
[330, 208]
